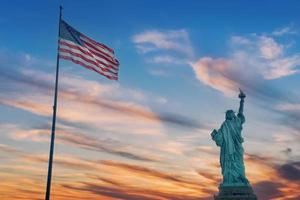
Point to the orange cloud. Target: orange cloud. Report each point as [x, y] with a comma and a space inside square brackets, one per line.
[213, 72]
[84, 141]
[76, 178]
[101, 101]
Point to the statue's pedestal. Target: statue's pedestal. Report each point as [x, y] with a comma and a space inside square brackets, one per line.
[235, 193]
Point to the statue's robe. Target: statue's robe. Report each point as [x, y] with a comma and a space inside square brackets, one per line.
[229, 138]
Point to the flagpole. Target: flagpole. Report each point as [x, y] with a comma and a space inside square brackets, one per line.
[47, 197]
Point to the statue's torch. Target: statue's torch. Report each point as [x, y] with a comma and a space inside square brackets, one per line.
[242, 96]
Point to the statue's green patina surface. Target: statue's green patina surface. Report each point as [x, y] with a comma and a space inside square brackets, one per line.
[229, 138]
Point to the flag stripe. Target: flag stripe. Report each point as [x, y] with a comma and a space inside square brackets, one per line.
[94, 48]
[97, 43]
[113, 61]
[97, 47]
[64, 44]
[87, 65]
[86, 58]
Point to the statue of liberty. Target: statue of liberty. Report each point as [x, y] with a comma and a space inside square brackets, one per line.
[229, 138]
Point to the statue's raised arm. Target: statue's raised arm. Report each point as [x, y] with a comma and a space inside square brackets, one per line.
[242, 96]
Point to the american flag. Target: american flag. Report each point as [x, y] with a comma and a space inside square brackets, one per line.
[82, 50]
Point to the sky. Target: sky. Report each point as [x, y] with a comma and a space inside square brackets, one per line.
[147, 135]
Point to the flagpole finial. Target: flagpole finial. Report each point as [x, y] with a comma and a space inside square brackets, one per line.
[60, 12]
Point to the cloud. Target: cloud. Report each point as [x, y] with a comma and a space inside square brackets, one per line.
[269, 49]
[24, 188]
[105, 191]
[141, 183]
[117, 179]
[211, 72]
[284, 31]
[252, 63]
[272, 177]
[111, 192]
[67, 161]
[71, 137]
[267, 190]
[284, 66]
[131, 193]
[181, 121]
[143, 171]
[159, 72]
[291, 111]
[166, 59]
[131, 110]
[169, 47]
[174, 40]
[239, 40]
[290, 171]
[212, 177]
[90, 95]
[8, 149]
[252, 60]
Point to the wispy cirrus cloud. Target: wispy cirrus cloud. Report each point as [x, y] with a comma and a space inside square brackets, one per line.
[254, 57]
[110, 176]
[142, 183]
[292, 115]
[62, 160]
[134, 194]
[211, 72]
[166, 59]
[174, 40]
[71, 136]
[253, 64]
[169, 47]
[8, 149]
[290, 171]
[287, 30]
[213, 178]
[268, 190]
[270, 187]
[269, 48]
[143, 171]
[159, 72]
[116, 179]
[177, 186]
[96, 97]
